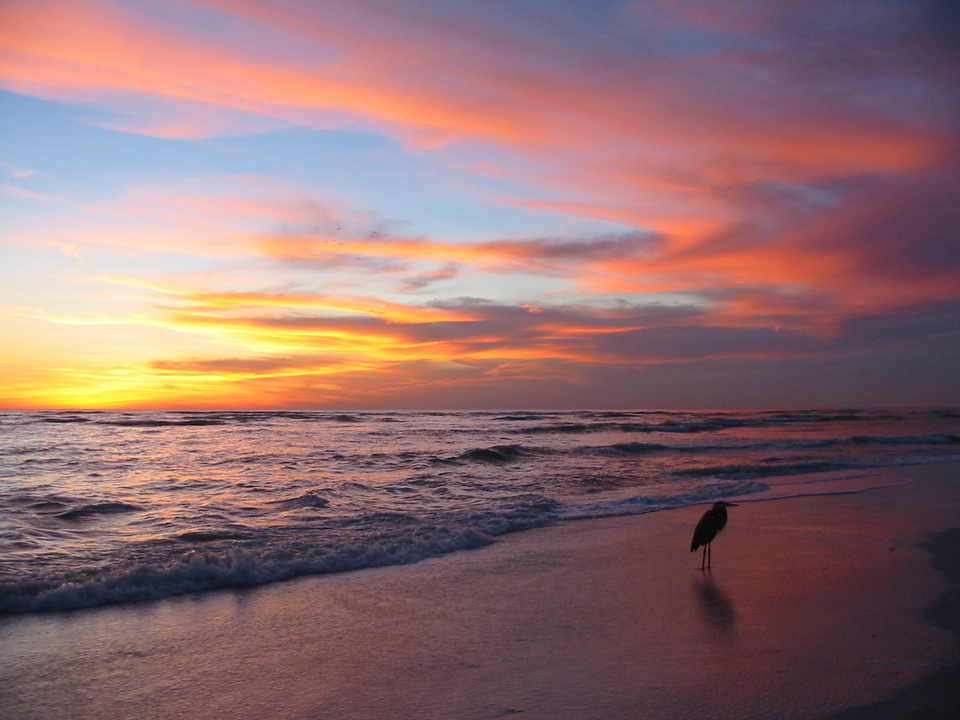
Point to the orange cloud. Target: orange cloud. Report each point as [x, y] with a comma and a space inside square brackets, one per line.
[94, 50]
[387, 65]
[778, 191]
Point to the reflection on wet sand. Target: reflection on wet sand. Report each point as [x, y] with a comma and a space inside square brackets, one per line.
[715, 606]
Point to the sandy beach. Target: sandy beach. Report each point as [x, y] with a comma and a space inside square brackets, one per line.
[815, 607]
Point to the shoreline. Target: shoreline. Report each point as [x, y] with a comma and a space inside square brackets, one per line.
[147, 584]
[816, 607]
[937, 695]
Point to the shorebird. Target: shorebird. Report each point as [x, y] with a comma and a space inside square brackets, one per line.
[712, 522]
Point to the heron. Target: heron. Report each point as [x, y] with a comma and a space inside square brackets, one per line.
[712, 522]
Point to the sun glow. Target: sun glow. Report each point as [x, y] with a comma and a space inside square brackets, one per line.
[248, 204]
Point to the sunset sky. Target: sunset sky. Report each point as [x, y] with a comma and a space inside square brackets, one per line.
[479, 204]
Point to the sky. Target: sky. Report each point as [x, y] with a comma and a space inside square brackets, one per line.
[482, 204]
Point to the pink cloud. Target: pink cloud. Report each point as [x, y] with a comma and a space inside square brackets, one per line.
[788, 168]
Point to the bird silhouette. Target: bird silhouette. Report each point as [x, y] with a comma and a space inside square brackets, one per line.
[712, 522]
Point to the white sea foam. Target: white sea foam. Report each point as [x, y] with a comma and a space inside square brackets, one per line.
[198, 571]
[828, 483]
[115, 507]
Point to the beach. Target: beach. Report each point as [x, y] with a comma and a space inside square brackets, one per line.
[817, 606]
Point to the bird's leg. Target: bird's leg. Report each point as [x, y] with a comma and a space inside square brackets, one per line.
[709, 555]
[703, 560]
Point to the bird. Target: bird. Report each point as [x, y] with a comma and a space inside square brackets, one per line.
[712, 522]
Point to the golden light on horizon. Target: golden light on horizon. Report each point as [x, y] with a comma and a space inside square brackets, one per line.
[272, 204]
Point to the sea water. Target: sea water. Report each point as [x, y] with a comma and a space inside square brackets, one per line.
[103, 507]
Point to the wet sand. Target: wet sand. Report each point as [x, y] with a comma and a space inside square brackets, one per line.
[816, 607]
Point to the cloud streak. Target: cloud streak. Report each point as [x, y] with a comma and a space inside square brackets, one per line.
[760, 181]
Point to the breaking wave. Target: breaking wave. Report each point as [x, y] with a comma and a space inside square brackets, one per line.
[103, 507]
[198, 571]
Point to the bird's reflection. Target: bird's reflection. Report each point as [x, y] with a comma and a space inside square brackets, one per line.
[715, 605]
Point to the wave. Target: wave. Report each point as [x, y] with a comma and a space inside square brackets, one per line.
[934, 439]
[784, 445]
[759, 470]
[348, 490]
[565, 428]
[191, 418]
[682, 423]
[546, 421]
[498, 453]
[307, 500]
[643, 504]
[840, 415]
[153, 423]
[666, 426]
[830, 483]
[94, 509]
[750, 471]
[198, 536]
[412, 541]
[198, 572]
[639, 448]
[842, 482]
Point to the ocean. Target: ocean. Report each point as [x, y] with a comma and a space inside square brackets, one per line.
[109, 507]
